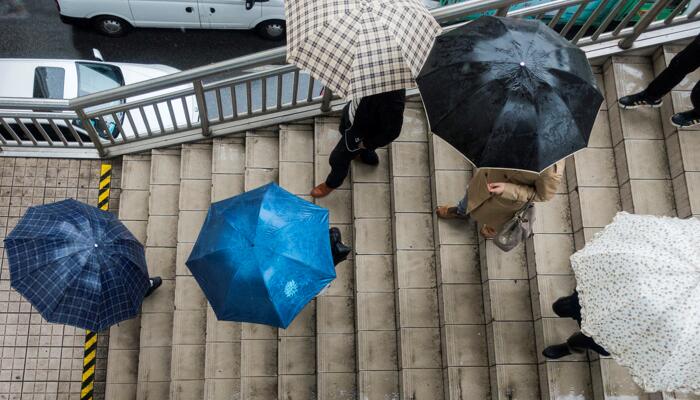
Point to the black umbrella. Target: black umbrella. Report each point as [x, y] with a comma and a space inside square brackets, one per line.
[509, 93]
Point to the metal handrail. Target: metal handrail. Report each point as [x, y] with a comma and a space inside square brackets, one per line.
[199, 103]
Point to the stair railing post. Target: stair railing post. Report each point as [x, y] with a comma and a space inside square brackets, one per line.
[641, 26]
[92, 133]
[326, 100]
[202, 107]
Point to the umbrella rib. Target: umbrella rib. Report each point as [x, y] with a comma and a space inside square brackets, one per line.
[455, 108]
[60, 299]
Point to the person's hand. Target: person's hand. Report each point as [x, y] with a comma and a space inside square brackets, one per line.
[488, 232]
[496, 188]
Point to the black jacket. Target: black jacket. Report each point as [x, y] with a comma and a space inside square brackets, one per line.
[378, 119]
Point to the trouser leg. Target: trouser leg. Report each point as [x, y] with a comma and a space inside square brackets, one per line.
[462, 205]
[339, 160]
[580, 342]
[685, 62]
[695, 98]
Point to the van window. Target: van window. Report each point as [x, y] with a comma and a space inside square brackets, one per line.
[48, 82]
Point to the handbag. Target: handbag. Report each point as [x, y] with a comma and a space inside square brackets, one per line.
[517, 229]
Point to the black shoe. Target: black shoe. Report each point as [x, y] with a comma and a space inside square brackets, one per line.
[339, 250]
[557, 351]
[369, 157]
[686, 119]
[155, 284]
[640, 99]
[580, 342]
[568, 307]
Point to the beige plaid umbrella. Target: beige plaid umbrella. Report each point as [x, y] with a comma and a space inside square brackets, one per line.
[360, 47]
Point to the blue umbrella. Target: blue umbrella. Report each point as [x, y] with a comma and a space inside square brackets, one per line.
[77, 265]
[262, 255]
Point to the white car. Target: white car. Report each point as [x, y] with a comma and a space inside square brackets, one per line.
[117, 17]
[66, 79]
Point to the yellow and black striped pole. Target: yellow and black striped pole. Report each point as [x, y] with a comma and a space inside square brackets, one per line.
[89, 359]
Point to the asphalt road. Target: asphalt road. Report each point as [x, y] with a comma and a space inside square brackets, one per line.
[32, 29]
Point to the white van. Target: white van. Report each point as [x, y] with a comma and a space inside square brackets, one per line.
[117, 17]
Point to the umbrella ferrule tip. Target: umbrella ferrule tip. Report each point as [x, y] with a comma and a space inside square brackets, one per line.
[96, 245]
[522, 63]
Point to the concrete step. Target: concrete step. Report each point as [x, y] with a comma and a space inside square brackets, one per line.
[297, 344]
[123, 353]
[189, 318]
[155, 351]
[335, 308]
[259, 342]
[416, 299]
[222, 358]
[464, 350]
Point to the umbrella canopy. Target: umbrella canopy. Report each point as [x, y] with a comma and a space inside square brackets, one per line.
[509, 93]
[638, 284]
[262, 255]
[360, 47]
[77, 265]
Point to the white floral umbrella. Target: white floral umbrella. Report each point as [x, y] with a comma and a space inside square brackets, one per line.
[360, 47]
[639, 288]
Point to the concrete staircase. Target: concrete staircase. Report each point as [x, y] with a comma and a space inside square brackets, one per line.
[423, 308]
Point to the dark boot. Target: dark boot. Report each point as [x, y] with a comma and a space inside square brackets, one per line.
[155, 284]
[686, 119]
[568, 307]
[557, 351]
[580, 342]
[369, 157]
[338, 249]
[640, 99]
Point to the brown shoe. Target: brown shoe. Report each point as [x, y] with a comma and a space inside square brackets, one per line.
[450, 213]
[321, 190]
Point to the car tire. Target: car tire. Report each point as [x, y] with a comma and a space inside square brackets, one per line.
[111, 26]
[273, 29]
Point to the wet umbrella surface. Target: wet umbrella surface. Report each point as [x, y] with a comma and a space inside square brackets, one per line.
[509, 93]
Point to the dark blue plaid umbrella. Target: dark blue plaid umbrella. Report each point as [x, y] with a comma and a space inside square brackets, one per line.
[77, 265]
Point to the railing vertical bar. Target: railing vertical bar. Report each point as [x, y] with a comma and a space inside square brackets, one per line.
[92, 133]
[279, 91]
[694, 12]
[556, 18]
[310, 95]
[131, 123]
[675, 12]
[11, 130]
[58, 132]
[202, 107]
[263, 96]
[573, 19]
[145, 121]
[119, 127]
[42, 132]
[249, 96]
[628, 18]
[26, 131]
[73, 132]
[187, 112]
[234, 101]
[172, 114]
[295, 88]
[594, 15]
[503, 11]
[7, 128]
[643, 24]
[608, 19]
[107, 133]
[219, 106]
[156, 109]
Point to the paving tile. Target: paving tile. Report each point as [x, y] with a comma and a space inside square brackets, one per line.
[450, 186]
[337, 386]
[335, 353]
[189, 295]
[335, 314]
[189, 327]
[496, 264]
[473, 381]
[362, 173]
[165, 168]
[518, 380]
[195, 194]
[297, 356]
[418, 308]
[154, 364]
[459, 264]
[598, 205]
[162, 231]
[508, 300]
[553, 216]
[411, 194]
[422, 383]
[163, 200]
[373, 236]
[153, 390]
[378, 385]
[128, 366]
[546, 289]
[136, 175]
[513, 342]
[161, 301]
[414, 231]
[134, 205]
[298, 177]
[225, 186]
[339, 205]
[304, 323]
[156, 330]
[409, 159]
[196, 161]
[254, 178]
[567, 379]
[371, 200]
[415, 269]
[595, 167]
[415, 126]
[296, 143]
[262, 387]
[465, 345]
[548, 254]
[294, 387]
[420, 348]
[262, 152]
[161, 262]
[190, 223]
[326, 134]
[653, 197]
[227, 158]
[258, 358]
[222, 331]
[377, 350]
[187, 362]
[375, 311]
[446, 157]
[222, 360]
[374, 273]
[343, 284]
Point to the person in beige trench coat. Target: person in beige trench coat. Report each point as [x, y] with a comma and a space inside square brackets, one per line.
[494, 195]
